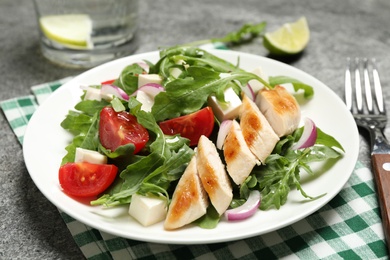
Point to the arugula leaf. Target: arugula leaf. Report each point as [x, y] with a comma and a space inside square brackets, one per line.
[174, 150]
[176, 161]
[210, 220]
[283, 167]
[128, 79]
[209, 61]
[86, 139]
[90, 107]
[190, 56]
[71, 149]
[327, 140]
[76, 122]
[91, 140]
[184, 96]
[245, 34]
[132, 178]
[278, 80]
[122, 151]
[162, 144]
[83, 125]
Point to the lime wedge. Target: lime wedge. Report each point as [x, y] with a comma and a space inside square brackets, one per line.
[289, 39]
[71, 30]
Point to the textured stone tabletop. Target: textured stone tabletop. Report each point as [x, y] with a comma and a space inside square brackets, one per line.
[31, 227]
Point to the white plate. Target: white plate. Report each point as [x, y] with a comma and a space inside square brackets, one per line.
[45, 140]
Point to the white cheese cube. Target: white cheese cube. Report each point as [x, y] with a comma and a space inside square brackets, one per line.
[146, 100]
[148, 78]
[96, 94]
[92, 94]
[175, 72]
[147, 210]
[84, 155]
[107, 97]
[229, 110]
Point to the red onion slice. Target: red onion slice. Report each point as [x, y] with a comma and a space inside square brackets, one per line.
[114, 90]
[247, 209]
[144, 65]
[308, 137]
[152, 89]
[222, 133]
[249, 92]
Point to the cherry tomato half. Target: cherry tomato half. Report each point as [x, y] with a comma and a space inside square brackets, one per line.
[116, 129]
[191, 126]
[86, 179]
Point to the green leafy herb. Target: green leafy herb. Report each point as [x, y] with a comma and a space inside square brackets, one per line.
[86, 138]
[184, 96]
[278, 80]
[210, 220]
[128, 79]
[283, 167]
[245, 34]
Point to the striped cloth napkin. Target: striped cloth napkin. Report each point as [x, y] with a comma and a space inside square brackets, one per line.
[348, 227]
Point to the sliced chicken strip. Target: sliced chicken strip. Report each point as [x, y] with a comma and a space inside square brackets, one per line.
[213, 175]
[280, 108]
[258, 133]
[189, 200]
[239, 159]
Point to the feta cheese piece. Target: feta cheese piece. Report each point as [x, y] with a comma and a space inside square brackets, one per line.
[146, 100]
[92, 94]
[84, 155]
[96, 94]
[147, 210]
[148, 78]
[107, 97]
[229, 110]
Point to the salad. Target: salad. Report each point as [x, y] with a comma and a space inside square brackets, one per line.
[135, 136]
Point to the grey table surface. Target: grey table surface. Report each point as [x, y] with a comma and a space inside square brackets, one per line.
[31, 227]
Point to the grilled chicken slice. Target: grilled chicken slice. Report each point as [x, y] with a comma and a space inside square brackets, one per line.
[189, 200]
[239, 159]
[280, 108]
[258, 133]
[213, 175]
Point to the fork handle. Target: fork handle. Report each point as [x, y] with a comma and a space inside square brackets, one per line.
[381, 166]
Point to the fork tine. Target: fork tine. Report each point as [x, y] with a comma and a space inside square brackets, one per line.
[358, 87]
[348, 85]
[367, 87]
[353, 71]
[378, 88]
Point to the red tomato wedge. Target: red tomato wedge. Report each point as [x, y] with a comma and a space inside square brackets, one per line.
[116, 129]
[108, 82]
[86, 179]
[191, 126]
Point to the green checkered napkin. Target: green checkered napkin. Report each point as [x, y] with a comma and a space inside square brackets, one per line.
[348, 227]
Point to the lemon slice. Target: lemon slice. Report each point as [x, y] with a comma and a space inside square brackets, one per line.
[290, 39]
[71, 30]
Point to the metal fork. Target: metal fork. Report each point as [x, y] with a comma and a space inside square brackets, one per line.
[373, 118]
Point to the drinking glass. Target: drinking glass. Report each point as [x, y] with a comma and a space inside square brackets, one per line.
[86, 33]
